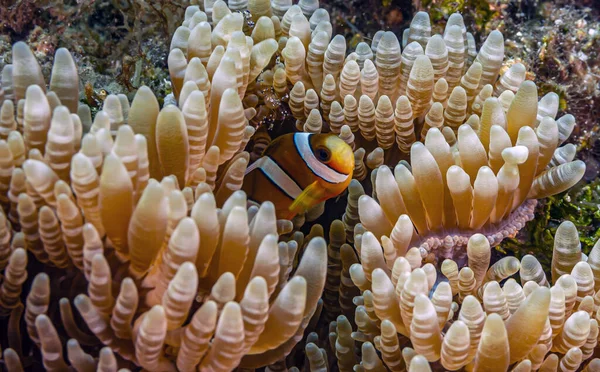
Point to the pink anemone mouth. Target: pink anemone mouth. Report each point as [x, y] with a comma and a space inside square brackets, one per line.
[453, 243]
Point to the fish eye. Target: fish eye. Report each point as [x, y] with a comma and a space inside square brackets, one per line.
[323, 154]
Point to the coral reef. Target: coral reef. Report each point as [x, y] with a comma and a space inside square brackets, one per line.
[579, 205]
[562, 50]
[358, 20]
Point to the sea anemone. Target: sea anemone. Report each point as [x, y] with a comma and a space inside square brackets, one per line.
[480, 174]
[486, 144]
[449, 193]
[203, 278]
[195, 290]
[478, 317]
[136, 216]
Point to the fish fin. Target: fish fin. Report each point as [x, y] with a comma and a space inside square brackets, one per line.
[309, 197]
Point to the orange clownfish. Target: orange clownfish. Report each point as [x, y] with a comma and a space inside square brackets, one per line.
[298, 171]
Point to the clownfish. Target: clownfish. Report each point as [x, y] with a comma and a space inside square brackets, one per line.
[298, 171]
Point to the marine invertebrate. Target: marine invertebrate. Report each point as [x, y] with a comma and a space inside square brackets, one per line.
[203, 276]
[203, 279]
[452, 192]
[192, 63]
[147, 323]
[485, 141]
[476, 316]
[476, 176]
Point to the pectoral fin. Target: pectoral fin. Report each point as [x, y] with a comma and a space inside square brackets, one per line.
[310, 196]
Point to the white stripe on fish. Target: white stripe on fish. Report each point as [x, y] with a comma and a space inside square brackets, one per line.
[302, 142]
[277, 176]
